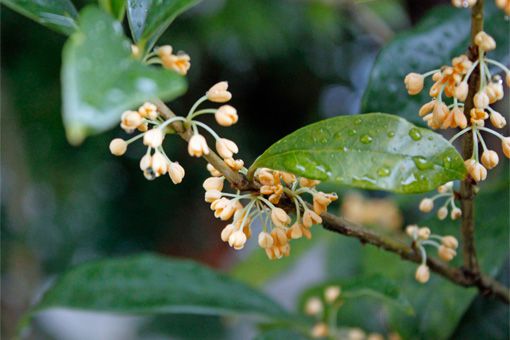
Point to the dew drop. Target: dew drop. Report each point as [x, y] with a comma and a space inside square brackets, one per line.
[352, 132]
[391, 134]
[357, 121]
[422, 163]
[365, 139]
[447, 162]
[383, 172]
[415, 134]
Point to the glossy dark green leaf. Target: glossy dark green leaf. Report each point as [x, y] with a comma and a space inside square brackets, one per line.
[115, 7]
[148, 19]
[373, 286]
[58, 15]
[371, 151]
[100, 78]
[150, 284]
[441, 35]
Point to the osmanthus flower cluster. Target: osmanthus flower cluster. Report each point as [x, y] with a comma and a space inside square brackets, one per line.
[324, 310]
[164, 56]
[153, 128]
[447, 193]
[446, 248]
[451, 86]
[278, 228]
[503, 4]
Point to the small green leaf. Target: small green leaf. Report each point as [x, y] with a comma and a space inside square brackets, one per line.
[149, 19]
[374, 286]
[150, 284]
[57, 15]
[441, 35]
[115, 7]
[370, 151]
[100, 78]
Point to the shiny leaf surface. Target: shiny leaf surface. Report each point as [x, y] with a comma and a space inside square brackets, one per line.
[149, 284]
[441, 35]
[149, 19]
[100, 78]
[371, 151]
[57, 15]
[115, 7]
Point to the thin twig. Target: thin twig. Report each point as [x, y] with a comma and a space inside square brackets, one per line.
[460, 276]
[467, 190]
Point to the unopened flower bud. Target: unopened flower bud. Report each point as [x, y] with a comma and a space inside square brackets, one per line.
[331, 293]
[426, 205]
[445, 187]
[455, 214]
[176, 172]
[265, 240]
[485, 41]
[118, 146]
[145, 162]
[414, 83]
[234, 164]
[159, 163]
[227, 231]
[310, 218]
[497, 120]
[130, 120]
[212, 195]
[442, 213]
[218, 93]
[226, 115]
[481, 100]
[226, 148]
[320, 330]
[424, 233]
[412, 230]
[490, 159]
[213, 183]
[446, 253]
[422, 274]
[313, 306]
[450, 242]
[135, 51]
[280, 217]
[461, 91]
[153, 138]
[197, 146]
[295, 232]
[505, 145]
[237, 240]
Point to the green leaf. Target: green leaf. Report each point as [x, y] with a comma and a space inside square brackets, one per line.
[441, 35]
[100, 78]
[373, 286]
[281, 333]
[150, 284]
[440, 304]
[57, 15]
[371, 151]
[149, 19]
[115, 7]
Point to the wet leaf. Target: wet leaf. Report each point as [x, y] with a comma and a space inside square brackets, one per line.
[441, 35]
[370, 151]
[150, 284]
[100, 78]
[372, 286]
[148, 19]
[57, 15]
[115, 7]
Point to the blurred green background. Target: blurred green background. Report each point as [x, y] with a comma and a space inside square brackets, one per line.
[288, 63]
